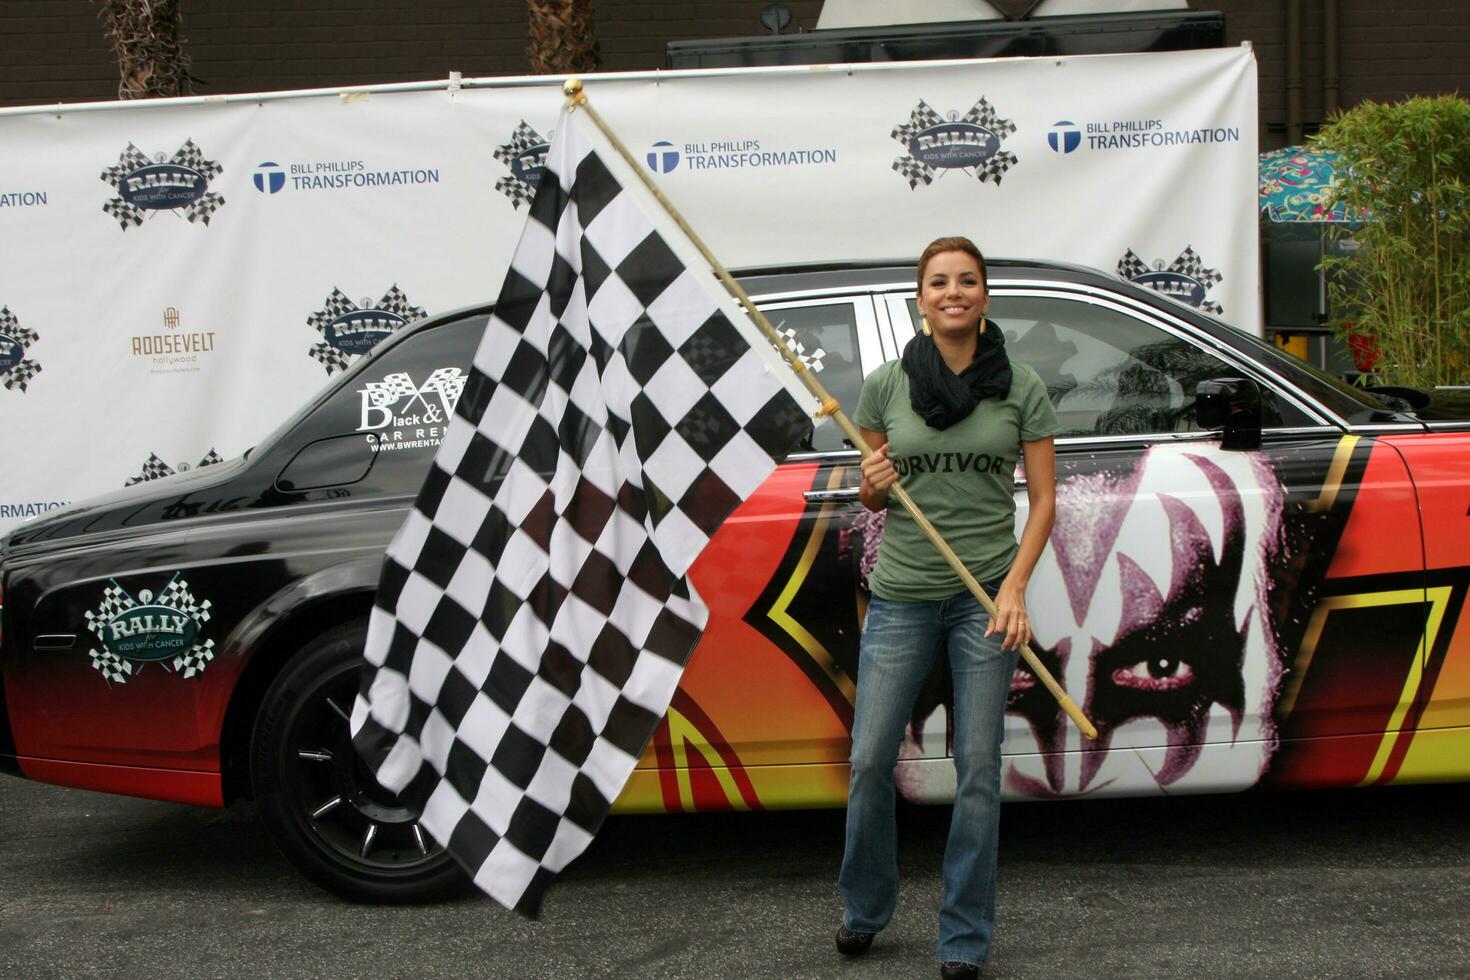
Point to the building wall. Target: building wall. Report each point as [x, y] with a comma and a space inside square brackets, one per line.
[54, 50]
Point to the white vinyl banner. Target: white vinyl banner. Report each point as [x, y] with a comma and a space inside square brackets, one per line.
[178, 277]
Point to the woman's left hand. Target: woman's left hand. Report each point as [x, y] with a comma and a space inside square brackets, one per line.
[1010, 619]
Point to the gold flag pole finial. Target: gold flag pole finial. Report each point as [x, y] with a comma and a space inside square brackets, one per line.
[572, 88]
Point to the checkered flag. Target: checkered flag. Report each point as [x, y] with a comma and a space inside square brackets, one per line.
[522, 139]
[19, 375]
[1190, 264]
[176, 595]
[447, 383]
[211, 457]
[1130, 266]
[982, 113]
[923, 117]
[337, 305]
[330, 357]
[396, 301]
[154, 468]
[814, 360]
[391, 390]
[535, 612]
[129, 161]
[189, 155]
[115, 600]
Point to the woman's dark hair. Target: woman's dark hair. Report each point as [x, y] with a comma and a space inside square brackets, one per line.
[956, 243]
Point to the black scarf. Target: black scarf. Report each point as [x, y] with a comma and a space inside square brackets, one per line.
[942, 397]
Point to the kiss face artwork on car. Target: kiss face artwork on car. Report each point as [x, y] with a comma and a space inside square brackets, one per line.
[164, 629]
[1162, 569]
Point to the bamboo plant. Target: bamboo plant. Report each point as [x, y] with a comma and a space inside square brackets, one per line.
[1404, 169]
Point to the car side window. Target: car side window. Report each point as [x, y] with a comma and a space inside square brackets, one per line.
[825, 335]
[1109, 373]
[392, 413]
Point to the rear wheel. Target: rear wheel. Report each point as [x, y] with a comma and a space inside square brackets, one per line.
[321, 805]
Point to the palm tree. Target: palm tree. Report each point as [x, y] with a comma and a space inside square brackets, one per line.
[561, 37]
[146, 35]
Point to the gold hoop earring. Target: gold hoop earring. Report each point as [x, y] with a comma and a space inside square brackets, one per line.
[924, 325]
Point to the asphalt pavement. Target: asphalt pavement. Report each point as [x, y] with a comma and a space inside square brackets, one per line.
[1366, 883]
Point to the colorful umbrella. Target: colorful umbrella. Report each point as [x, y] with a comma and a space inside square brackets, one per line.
[1298, 184]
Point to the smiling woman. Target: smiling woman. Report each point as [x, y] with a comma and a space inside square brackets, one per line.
[955, 396]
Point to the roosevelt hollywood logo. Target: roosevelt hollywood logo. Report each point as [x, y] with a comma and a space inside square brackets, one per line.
[16, 369]
[970, 143]
[1186, 279]
[179, 184]
[525, 155]
[351, 329]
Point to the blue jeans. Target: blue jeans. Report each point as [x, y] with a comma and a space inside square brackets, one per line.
[899, 644]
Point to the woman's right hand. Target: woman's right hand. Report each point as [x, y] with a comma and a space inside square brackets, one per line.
[878, 471]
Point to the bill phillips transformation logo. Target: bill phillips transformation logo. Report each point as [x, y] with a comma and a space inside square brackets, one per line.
[269, 177]
[164, 629]
[179, 184]
[1064, 137]
[1186, 279]
[16, 370]
[350, 329]
[525, 155]
[970, 143]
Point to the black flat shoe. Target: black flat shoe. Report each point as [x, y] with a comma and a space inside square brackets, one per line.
[851, 943]
[955, 970]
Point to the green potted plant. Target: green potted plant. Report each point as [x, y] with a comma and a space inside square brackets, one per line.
[1404, 290]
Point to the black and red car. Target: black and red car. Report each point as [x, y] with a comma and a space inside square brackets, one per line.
[1255, 578]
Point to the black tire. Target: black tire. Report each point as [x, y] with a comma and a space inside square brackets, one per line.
[321, 805]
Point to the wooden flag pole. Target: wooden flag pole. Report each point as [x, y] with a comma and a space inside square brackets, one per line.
[577, 99]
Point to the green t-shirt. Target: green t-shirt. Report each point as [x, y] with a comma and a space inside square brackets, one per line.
[962, 478]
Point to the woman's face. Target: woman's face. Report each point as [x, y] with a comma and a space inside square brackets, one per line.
[952, 296]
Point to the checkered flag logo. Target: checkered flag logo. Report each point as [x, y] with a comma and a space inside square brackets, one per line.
[16, 370]
[814, 360]
[391, 390]
[516, 187]
[535, 611]
[115, 601]
[395, 302]
[919, 167]
[199, 208]
[155, 468]
[1188, 265]
[175, 599]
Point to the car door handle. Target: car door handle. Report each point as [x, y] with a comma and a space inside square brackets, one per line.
[840, 495]
[54, 641]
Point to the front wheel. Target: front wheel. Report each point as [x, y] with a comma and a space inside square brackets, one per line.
[320, 804]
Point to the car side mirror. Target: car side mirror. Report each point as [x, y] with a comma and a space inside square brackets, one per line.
[1232, 405]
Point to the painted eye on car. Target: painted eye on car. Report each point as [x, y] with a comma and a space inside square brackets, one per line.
[1155, 674]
